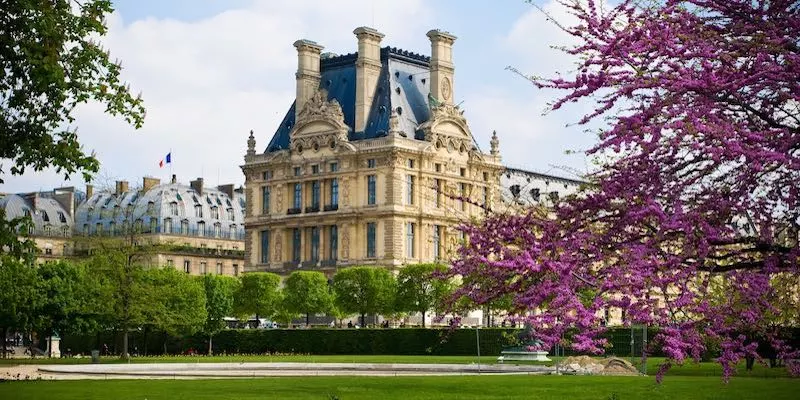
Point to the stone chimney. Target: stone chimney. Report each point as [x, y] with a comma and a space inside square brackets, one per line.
[66, 197]
[197, 185]
[89, 191]
[174, 179]
[308, 54]
[149, 183]
[442, 66]
[368, 70]
[227, 189]
[122, 187]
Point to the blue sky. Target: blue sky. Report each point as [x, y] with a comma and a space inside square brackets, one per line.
[210, 71]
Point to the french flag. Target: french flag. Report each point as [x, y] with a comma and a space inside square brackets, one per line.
[165, 160]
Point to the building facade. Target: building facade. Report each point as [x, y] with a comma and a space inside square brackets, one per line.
[197, 229]
[373, 164]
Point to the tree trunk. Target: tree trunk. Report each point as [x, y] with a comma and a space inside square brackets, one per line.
[125, 354]
[50, 346]
[210, 338]
[423, 318]
[165, 343]
[144, 339]
[5, 332]
[307, 319]
[363, 319]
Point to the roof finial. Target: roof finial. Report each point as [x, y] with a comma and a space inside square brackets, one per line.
[251, 144]
[495, 144]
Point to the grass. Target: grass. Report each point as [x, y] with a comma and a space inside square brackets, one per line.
[409, 388]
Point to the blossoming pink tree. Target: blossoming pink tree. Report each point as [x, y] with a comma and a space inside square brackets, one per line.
[697, 193]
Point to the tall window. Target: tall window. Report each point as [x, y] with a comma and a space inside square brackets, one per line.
[173, 208]
[410, 189]
[371, 189]
[410, 251]
[112, 228]
[315, 194]
[334, 166]
[184, 227]
[371, 163]
[315, 244]
[235, 269]
[201, 228]
[215, 212]
[264, 246]
[371, 240]
[203, 268]
[217, 230]
[437, 196]
[153, 225]
[298, 195]
[187, 266]
[265, 200]
[437, 242]
[219, 268]
[334, 191]
[333, 245]
[296, 244]
[462, 192]
[98, 229]
[198, 211]
[485, 196]
[167, 225]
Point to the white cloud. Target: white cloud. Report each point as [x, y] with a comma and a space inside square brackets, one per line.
[529, 138]
[206, 83]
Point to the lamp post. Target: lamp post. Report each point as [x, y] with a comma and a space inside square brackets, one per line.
[478, 343]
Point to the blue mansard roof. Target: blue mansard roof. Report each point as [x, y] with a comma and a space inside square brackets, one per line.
[403, 86]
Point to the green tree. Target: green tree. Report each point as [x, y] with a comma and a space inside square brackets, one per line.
[180, 308]
[69, 302]
[20, 296]
[258, 295]
[364, 290]
[420, 290]
[52, 62]
[307, 292]
[219, 291]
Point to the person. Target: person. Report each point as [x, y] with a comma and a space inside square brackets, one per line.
[350, 324]
[105, 349]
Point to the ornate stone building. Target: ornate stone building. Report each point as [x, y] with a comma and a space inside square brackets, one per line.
[52, 219]
[374, 163]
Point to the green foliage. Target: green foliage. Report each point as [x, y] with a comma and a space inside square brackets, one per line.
[219, 295]
[20, 296]
[420, 290]
[364, 290]
[52, 62]
[258, 295]
[307, 292]
[69, 299]
[180, 306]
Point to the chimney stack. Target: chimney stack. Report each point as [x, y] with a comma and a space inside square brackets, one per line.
[368, 70]
[174, 179]
[197, 185]
[308, 54]
[122, 187]
[442, 66]
[66, 197]
[227, 189]
[89, 191]
[149, 183]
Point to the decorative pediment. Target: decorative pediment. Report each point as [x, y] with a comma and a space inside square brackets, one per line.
[319, 124]
[448, 129]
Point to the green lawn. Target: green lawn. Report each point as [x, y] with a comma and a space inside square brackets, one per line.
[409, 388]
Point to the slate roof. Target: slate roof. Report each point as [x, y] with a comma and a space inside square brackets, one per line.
[403, 86]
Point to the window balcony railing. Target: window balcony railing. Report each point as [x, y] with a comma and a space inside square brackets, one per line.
[311, 209]
[331, 207]
[293, 211]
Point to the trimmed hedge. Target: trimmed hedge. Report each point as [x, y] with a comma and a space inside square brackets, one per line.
[404, 341]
